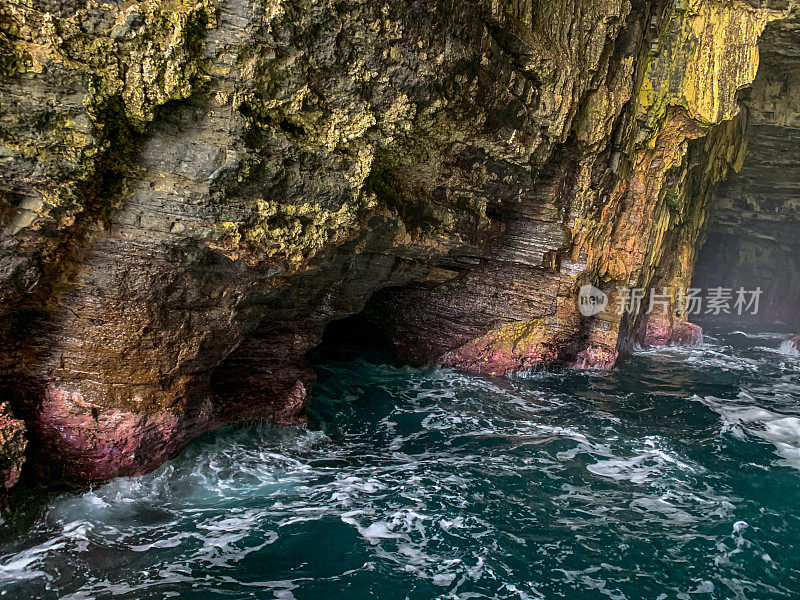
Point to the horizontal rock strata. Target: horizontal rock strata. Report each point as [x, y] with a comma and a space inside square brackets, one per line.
[192, 191]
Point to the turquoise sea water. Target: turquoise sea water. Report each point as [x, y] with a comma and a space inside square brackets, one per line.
[676, 477]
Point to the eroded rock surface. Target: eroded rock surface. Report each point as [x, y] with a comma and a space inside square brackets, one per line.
[191, 191]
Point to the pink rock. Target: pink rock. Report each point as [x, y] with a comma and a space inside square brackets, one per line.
[83, 441]
[596, 357]
[667, 332]
[13, 441]
[293, 410]
[483, 357]
[100, 444]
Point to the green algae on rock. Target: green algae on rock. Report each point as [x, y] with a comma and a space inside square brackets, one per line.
[192, 191]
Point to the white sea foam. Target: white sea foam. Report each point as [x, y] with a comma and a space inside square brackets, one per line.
[642, 468]
[740, 526]
[789, 349]
[782, 431]
[704, 356]
[764, 335]
[473, 486]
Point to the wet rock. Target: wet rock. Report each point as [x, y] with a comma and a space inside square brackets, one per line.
[192, 191]
[670, 331]
[13, 441]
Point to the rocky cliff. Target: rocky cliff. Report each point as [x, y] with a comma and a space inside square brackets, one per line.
[192, 191]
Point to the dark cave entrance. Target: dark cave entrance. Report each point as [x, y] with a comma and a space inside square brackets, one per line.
[352, 338]
[753, 231]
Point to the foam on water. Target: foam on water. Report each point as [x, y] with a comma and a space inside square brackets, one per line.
[649, 464]
[762, 335]
[675, 477]
[743, 418]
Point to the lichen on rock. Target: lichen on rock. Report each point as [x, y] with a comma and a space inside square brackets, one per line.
[193, 191]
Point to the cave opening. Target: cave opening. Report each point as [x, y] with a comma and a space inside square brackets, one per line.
[751, 237]
[351, 338]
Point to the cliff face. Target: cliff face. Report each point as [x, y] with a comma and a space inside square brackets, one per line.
[191, 192]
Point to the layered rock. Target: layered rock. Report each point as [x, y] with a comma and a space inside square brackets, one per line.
[192, 191]
[620, 206]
